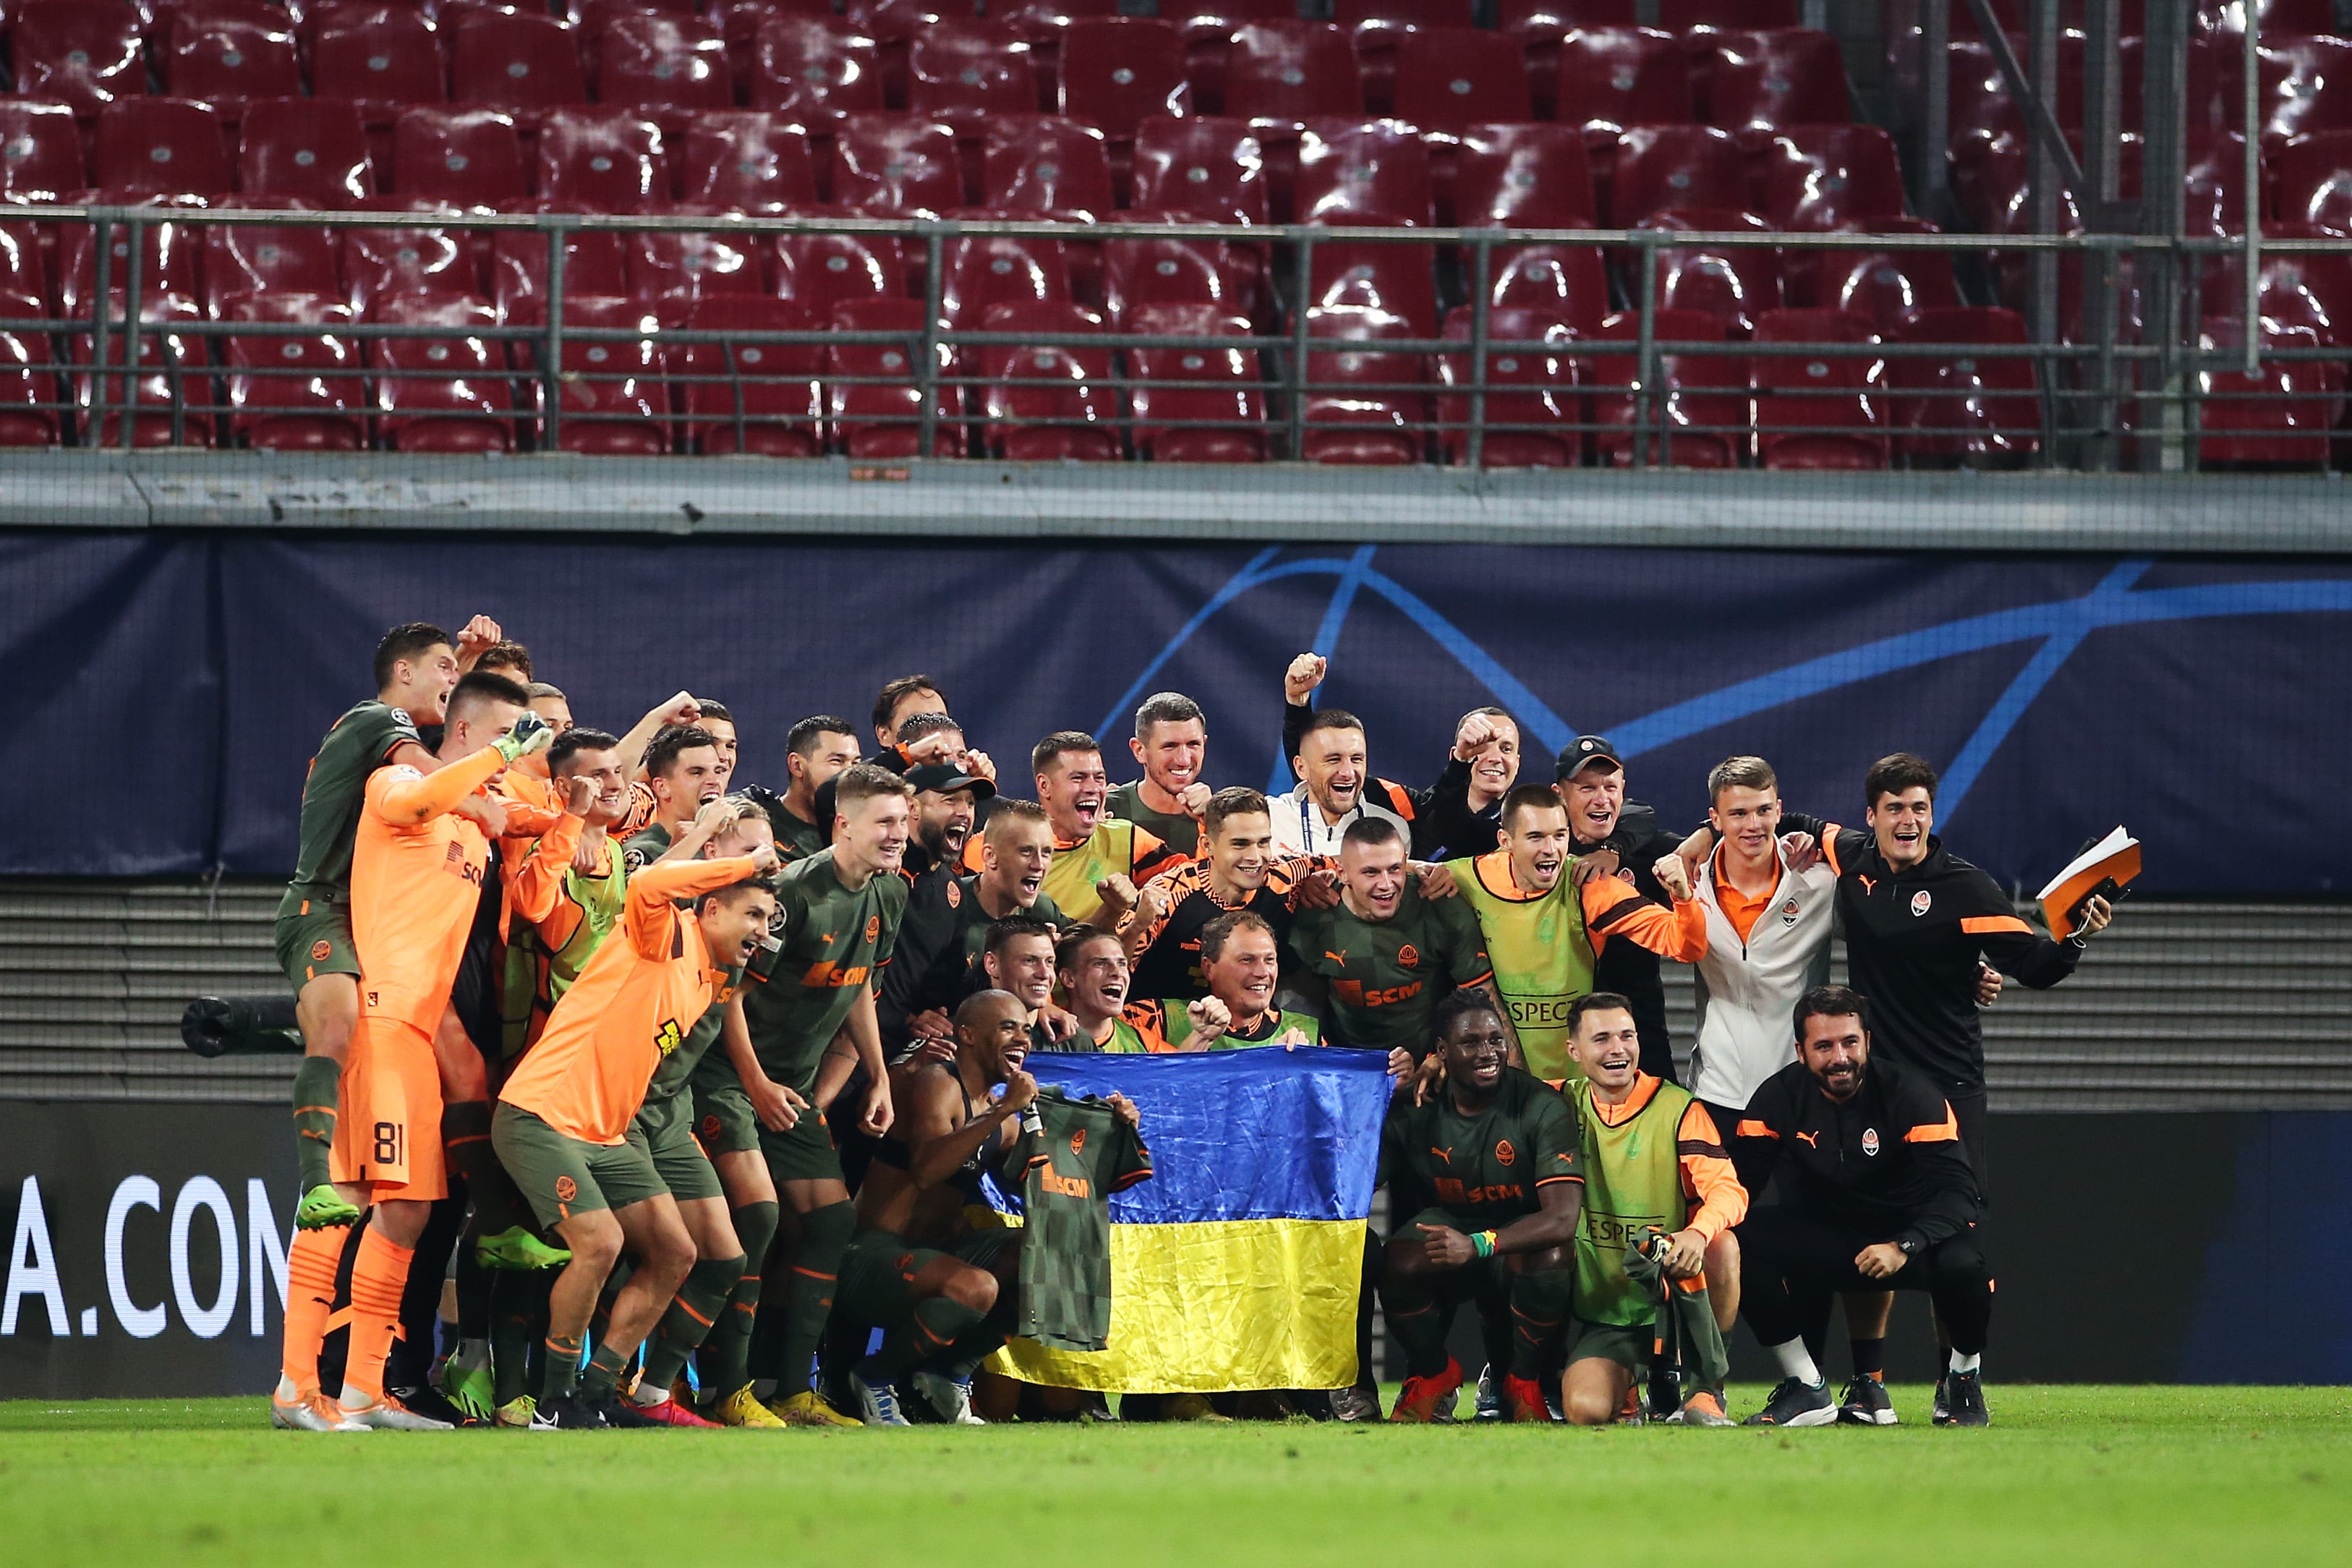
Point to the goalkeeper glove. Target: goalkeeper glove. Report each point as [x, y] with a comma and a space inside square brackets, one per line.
[531, 735]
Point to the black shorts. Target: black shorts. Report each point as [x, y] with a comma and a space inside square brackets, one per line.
[1969, 1110]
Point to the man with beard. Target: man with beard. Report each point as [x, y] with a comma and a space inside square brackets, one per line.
[683, 774]
[1238, 869]
[1016, 854]
[946, 803]
[1091, 976]
[1544, 933]
[1240, 961]
[1487, 1178]
[1171, 743]
[815, 751]
[1878, 1194]
[1097, 859]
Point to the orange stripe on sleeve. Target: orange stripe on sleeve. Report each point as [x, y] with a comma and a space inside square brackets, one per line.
[1752, 1128]
[1984, 925]
[1945, 1132]
[1830, 831]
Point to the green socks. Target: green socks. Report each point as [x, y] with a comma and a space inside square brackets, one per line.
[1540, 1300]
[318, 1095]
[700, 1302]
[725, 1358]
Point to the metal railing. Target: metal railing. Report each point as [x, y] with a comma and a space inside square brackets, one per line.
[2149, 393]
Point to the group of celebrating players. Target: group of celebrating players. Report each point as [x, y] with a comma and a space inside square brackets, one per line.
[693, 1090]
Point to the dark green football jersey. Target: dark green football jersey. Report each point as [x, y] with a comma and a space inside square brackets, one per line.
[1385, 978]
[1179, 830]
[362, 740]
[794, 837]
[827, 943]
[1481, 1170]
[972, 922]
[1087, 1152]
[645, 846]
[676, 1069]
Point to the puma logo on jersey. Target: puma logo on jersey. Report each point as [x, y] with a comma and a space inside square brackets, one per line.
[1444, 1154]
[1339, 957]
[1867, 883]
[1812, 1139]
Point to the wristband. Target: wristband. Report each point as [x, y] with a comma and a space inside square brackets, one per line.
[1483, 1243]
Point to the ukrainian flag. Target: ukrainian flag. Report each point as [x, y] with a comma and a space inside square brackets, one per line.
[1238, 1265]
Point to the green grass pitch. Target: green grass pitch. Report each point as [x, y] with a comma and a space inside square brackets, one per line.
[2077, 1475]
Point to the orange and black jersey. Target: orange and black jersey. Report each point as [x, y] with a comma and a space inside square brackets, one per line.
[1888, 1163]
[1169, 966]
[1913, 938]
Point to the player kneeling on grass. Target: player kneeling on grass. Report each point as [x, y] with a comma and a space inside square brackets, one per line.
[562, 1124]
[1878, 1195]
[1651, 1154]
[1489, 1169]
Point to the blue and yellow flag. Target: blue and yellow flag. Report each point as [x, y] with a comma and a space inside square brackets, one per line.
[1238, 1265]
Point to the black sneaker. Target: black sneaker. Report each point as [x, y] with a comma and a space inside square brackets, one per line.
[427, 1401]
[1966, 1404]
[619, 1414]
[1665, 1392]
[1795, 1403]
[1939, 1414]
[567, 1413]
[1865, 1404]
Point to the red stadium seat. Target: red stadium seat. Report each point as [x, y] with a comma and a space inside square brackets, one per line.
[1533, 407]
[1281, 73]
[965, 73]
[167, 361]
[888, 164]
[169, 268]
[1817, 411]
[381, 58]
[1450, 79]
[1139, 274]
[1565, 282]
[379, 263]
[42, 147]
[1377, 26]
[161, 146]
[1554, 19]
[1761, 81]
[1737, 283]
[671, 68]
[669, 271]
[2277, 417]
[615, 401]
[897, 21]
[2315, 181]
[512, 61]
[25, 264]
[83, 53]
[1699, 406]
[822, 271]
[745, 160]
[880, 414]
[1817, 178]
[1351, 170]
[755, 397]
[1208, 28]
[1212, 169]
[312, 150]
[1661, 166]
[2216, 184]
[225, 61]
[1041, 164]
[1391, 279]
[30, 397]
[1117, 71]
[465, 157]
[2311, 290]
[1523, 176]
[601, 160]
[596, 263]
[813, 71]
[242, 259]
[2306, 85]
[740, 20]
[1364, 405]
[1046, 22]
[449, 392]
[1966, 408]
[295, 394]
[1682, 15]
[1612, 79]
[1195, 404]
[1880, 286]
[2273, 17]
[985, 270]
[1047, 401]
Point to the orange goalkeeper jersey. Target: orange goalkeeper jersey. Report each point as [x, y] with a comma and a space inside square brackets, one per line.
[634, 1004]
[416, 880]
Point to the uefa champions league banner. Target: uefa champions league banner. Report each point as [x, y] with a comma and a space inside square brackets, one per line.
[171, 687]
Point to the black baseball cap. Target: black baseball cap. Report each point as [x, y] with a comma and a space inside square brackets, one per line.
[1588, 748]
[945, 778]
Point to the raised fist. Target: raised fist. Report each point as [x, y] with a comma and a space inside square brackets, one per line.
[1305, 674]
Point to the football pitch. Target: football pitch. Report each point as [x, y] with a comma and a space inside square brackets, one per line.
[2075, 1474]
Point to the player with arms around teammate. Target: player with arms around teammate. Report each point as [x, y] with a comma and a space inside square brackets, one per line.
[1242, 963]
[1171, 743]
[1877, 1195]
[1652, 1160]
[417, 865]
[1238, 869]
[562, 1127]
[836, 924]
[1488, 1176]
